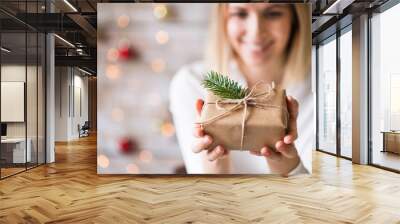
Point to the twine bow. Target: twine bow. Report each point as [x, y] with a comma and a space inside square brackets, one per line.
[251, 99]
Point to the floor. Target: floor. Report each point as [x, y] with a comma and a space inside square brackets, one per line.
[13, 170]
[10, 171]
[389, 159]
[70, 191]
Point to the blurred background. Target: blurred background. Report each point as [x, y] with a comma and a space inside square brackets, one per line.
[140, 48]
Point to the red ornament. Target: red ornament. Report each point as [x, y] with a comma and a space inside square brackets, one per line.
[127, 145]
[126, 53]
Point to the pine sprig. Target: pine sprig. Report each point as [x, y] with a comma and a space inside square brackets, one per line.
[223, 87]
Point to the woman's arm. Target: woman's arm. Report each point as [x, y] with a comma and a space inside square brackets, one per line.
[185, 89]
[216, 161]
[285, 158]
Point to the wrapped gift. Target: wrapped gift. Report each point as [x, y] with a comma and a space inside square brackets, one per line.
[255, 118]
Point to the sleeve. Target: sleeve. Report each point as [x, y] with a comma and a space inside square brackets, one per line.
[300, 169]
[185, 89]
[306, 140]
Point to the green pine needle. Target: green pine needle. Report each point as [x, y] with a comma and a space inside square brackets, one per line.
[223, 87]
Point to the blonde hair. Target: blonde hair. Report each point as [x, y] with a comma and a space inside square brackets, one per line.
[219, 51]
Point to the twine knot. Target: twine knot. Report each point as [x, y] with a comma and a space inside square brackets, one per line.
[251, 99]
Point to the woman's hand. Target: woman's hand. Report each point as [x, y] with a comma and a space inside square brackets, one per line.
[203, 141]
[285, 159]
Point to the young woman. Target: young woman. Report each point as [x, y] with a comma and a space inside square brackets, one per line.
[251, 42]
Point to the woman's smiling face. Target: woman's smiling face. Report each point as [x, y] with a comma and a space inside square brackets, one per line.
[259, 32]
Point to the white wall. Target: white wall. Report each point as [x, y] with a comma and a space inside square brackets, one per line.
[12, 73]
[67, 116]
[62, 81]
[33, 126]
[12, 101]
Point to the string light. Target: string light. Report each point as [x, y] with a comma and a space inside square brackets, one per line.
[103, 161]
[123, 21]
[162, 37]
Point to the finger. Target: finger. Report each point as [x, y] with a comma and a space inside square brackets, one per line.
[255, 152]
[216, 153]
[198, 131]
[226, 152]
[293, 109]
[269, 153]
[199, 106]
[289, 139]
[292, 132]
[287, 151]
[201, 143]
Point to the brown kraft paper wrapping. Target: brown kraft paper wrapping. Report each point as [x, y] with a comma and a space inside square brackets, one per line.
[265, 123]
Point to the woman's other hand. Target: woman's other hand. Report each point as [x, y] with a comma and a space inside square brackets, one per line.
[203, 141]
[285, 158]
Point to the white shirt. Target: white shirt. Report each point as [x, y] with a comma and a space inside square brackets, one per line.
[186, 88]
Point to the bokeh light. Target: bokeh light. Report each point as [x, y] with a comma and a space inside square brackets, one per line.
[162, 37]
[146, 156]
[132, 168]
[160, 11]
[112, 72]
[158, 65]
[112, 54]
[167, 129]
[103, 161]
[123, 21]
